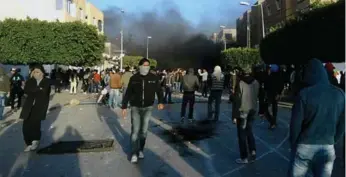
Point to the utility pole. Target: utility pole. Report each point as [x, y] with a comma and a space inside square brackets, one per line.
[148, 37]
[121, 41]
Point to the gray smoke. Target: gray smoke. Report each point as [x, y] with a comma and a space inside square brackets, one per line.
[175, 42]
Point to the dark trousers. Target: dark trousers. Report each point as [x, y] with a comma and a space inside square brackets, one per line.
[271, 101]
[16, 92]
[246, 139]
[215, 95]
[168, 94]
[261, 100]
[188, 97]
[31, 130]
[204, 88]
[57, 86]
[85, 85]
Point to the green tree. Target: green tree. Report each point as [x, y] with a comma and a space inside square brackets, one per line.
[132, 61]
[241, 57]
[33, 41]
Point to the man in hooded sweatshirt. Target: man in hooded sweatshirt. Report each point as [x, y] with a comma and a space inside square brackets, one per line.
[4, 89]
[317, 123]
[216, 89]
[247, 93]
[190, 84]
[140, 93]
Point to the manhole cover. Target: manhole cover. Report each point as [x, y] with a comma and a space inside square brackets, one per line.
[64, 147]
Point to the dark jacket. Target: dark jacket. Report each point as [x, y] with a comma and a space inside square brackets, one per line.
[16, 81]
[274, 84]
[318, 113]
[141, 91]
[190, 82]
[37, 99]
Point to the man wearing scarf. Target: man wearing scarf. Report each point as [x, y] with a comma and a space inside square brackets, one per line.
[140, 93]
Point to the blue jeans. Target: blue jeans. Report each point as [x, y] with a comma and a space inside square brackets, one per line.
[139, 127]
[319, 157]
[114, 95]
[2, 105]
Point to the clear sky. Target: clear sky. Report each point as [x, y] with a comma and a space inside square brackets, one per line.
[195, 11]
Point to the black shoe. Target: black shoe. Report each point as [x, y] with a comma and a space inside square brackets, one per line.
[272, 127]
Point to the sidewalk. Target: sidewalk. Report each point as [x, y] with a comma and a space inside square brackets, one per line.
[166, 156]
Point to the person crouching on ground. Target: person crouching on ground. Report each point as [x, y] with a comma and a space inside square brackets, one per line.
[246, 93]
[37, 89]
[140, 93]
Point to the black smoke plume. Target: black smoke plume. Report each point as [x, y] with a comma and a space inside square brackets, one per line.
[174, 43]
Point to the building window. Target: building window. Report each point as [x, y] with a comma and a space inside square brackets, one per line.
[268, 10]
[86, 17]
[94, 21]
[58, 4]
[100, 25]
[81, 13]
[278, 4]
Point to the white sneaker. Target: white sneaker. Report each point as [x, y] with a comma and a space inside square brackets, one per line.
[134, 159]
[140, 155]
[28, 148]
[34, 145]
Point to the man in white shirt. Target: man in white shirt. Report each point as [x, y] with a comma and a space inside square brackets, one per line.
[204, 76]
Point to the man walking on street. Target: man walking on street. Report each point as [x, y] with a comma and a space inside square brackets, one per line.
[115, 86]
[190, 85]
[17, 83]
[317, 123]
[141, 94]
[247, 93]
[273, 87]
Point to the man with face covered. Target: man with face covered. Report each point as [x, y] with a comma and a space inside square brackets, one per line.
[140, 93]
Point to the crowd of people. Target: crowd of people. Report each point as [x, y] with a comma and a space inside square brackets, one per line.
[317, 121]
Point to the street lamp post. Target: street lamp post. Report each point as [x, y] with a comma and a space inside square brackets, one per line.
[223, 37]
[121, 41]
[148, 37]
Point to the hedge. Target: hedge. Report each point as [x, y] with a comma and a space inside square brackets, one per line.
[319, 33]
[132, 61]
[33, 41]
[240, 57]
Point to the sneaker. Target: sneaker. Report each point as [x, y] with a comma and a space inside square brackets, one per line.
[272, 127]
[141, 155]
[190, 120]
[35, 145]
[134, 159]
[182, 120]
[241, 161]
[28, 148]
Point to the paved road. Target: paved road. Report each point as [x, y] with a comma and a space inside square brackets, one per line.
[166, 155]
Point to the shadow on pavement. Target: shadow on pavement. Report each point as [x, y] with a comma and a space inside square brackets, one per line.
[14, 161]
[56, 165]
[153, 165]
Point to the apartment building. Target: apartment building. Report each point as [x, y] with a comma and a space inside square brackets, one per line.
[228, 34]
[53, 10]
[243, 23]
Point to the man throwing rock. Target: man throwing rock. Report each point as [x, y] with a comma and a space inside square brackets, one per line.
[140, 93]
